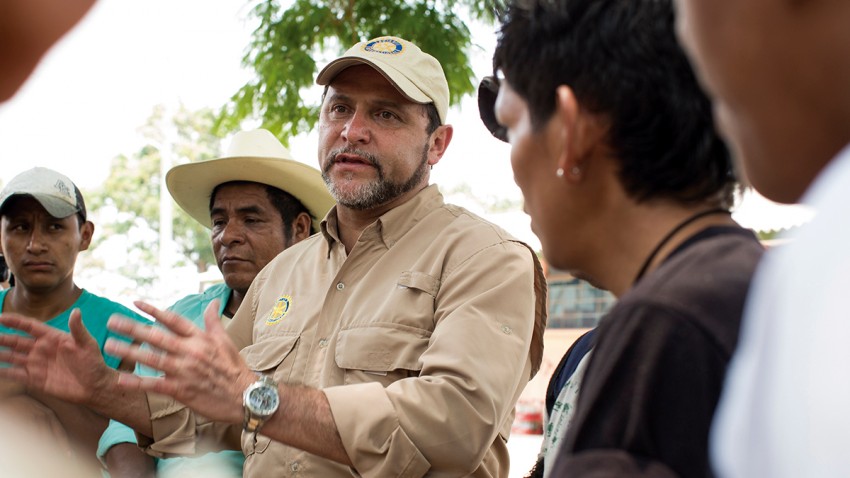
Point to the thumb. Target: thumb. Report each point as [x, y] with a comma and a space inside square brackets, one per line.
[211, 318]
[78, 330]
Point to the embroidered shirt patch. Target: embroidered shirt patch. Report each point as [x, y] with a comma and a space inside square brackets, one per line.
[281, 307]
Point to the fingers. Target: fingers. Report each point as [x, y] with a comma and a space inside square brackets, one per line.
[152, 358]
[16, 343]
[173, 322]
[212, 319]
[15, 374]
[156, 337]
[28, 325]
[12, 358]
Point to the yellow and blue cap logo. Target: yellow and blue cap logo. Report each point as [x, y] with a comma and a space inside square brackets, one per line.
[385, 46]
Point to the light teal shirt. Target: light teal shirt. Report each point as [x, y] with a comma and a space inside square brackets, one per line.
[95, 312]
[226, 463]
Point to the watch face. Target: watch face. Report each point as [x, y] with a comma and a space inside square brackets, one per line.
[263, 400]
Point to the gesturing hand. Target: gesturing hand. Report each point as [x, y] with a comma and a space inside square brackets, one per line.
[66, 365]
[202, 369]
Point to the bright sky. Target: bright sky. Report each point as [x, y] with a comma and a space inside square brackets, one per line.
[92, 92]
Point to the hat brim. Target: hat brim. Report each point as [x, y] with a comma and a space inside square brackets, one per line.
[54, 206]
[192, 184]
[398, 80]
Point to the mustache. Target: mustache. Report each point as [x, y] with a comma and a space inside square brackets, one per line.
[368, 157]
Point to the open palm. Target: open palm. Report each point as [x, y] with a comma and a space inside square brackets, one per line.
[66, 365]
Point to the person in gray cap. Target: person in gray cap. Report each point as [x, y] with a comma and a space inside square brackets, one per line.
[393, 343]
[43, 227]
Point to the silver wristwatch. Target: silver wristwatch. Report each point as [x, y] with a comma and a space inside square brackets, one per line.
[260, 401]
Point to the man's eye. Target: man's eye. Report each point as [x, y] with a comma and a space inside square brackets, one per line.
[387, 115]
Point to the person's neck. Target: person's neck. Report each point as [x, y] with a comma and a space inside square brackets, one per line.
[233, 302]
[41, 304]
[642, 240]
[352, 222]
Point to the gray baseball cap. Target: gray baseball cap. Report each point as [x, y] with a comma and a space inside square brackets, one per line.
[59, 196]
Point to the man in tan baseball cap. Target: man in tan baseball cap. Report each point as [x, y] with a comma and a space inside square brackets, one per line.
[415, 74]
[393, 343]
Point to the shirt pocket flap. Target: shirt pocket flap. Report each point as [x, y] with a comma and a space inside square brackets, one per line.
[420, 281]
[382, 348]
[270, 353]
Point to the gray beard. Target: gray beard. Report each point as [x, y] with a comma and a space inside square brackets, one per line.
[375, 193]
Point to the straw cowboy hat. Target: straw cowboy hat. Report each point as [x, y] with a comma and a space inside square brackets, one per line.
[255, 156]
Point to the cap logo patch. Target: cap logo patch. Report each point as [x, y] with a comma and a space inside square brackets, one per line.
[62, 188]
[281, 307]
[384, 46]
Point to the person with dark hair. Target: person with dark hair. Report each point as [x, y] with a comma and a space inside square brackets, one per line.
[257, 201]
[779, 73]
[43, 227]
[629, 186]
[396, 342]
[5, 275]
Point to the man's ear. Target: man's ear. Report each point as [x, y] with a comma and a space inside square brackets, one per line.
[86, 234]
[438, 143]
[580, 133]
[301, 227]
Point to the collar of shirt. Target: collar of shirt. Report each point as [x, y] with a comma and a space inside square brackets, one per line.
[394, 223]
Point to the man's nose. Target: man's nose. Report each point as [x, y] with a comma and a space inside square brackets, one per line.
[232, 233]
[36, 242]
[357, 129]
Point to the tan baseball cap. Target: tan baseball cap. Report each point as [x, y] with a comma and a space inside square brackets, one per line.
[256, 156]
[415, 74]
[57, 194]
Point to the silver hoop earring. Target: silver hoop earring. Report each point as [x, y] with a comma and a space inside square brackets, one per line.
[559, 172]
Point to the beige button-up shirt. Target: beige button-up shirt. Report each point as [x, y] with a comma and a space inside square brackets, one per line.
[422, 339]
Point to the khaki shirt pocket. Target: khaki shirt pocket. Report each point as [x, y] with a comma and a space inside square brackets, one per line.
[381, 352]
[273, 356]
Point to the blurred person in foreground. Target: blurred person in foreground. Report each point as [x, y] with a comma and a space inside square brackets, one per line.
[394, 343]
[629, 186]
[257, 201]
[779, 72]
[43, 227]
[28, 28]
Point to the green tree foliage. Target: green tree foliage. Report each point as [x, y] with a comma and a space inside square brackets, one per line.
[285, 47]
[127, 204]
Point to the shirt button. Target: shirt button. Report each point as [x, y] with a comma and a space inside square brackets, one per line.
[323, 343]
[506, 330]
[340, 286]
[295, 466]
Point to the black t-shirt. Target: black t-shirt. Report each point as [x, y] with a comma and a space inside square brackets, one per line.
[659, 361]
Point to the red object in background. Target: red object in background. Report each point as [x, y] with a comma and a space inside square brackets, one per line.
[528, 419]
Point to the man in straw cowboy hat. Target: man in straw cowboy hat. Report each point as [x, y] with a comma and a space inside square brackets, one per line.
[257, 201]
[393, 343]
